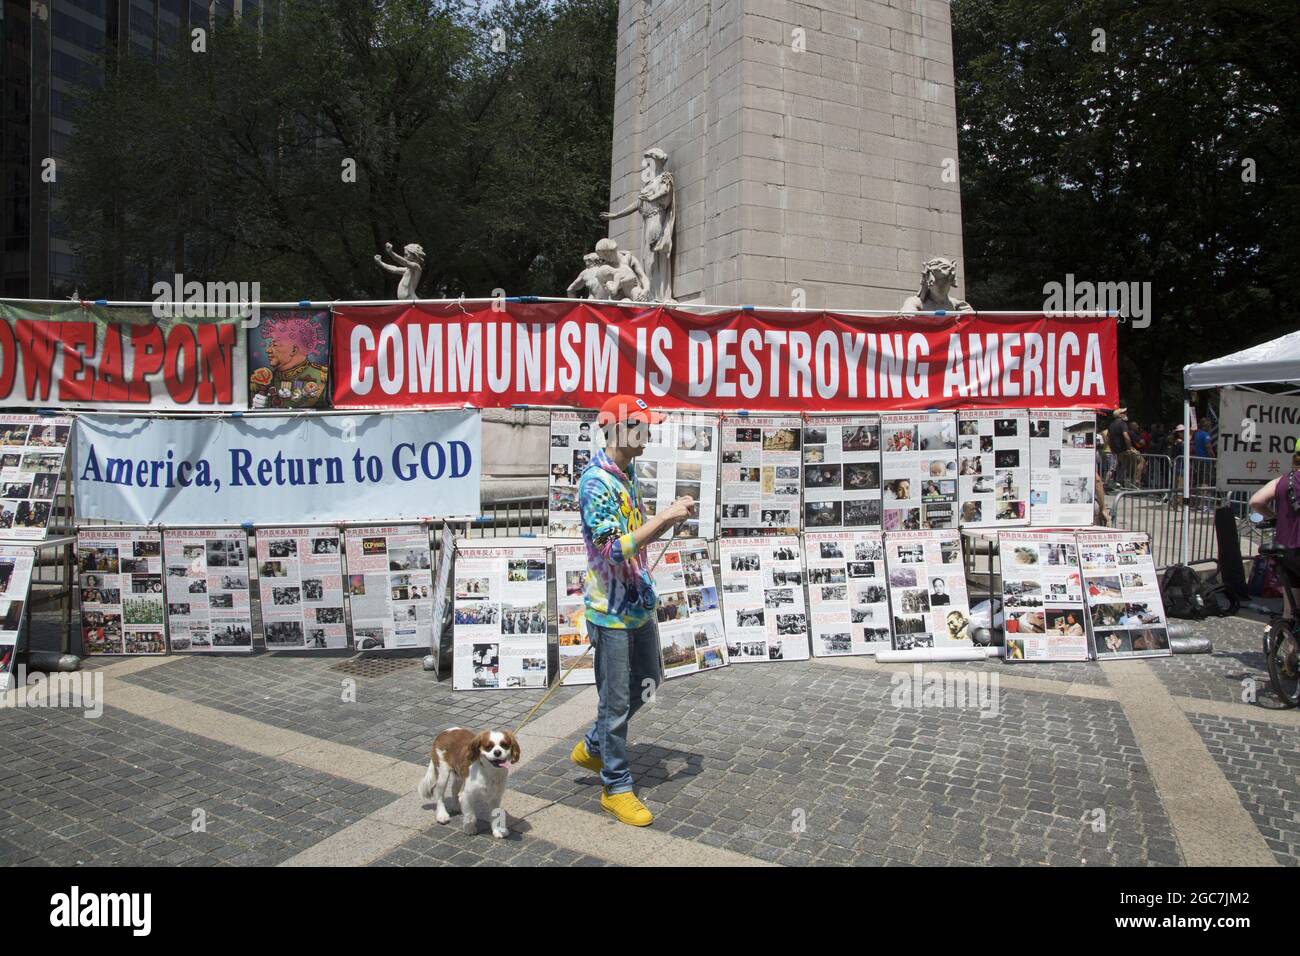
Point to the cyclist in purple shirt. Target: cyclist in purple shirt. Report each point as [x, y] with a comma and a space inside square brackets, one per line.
[1281, 498]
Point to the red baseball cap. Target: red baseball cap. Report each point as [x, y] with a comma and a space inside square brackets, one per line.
[627, 408]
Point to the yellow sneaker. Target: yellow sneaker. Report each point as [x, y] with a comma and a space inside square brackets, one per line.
[627, 808]
[583, 758]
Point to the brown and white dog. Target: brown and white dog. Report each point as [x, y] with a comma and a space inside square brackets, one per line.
[474, 766]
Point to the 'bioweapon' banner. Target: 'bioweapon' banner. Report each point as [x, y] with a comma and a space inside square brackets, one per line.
[561, 353]
[85, 356]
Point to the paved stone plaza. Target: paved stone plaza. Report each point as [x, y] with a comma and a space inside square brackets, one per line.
[797, 763]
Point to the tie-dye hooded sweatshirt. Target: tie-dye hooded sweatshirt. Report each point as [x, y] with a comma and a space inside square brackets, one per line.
[618, 591]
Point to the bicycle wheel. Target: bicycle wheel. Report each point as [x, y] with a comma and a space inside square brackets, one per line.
[1284, 664]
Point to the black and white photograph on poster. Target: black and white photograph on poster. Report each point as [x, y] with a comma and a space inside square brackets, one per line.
[918, 471]
[574, 437]
[389, 582]
[762, 475]
[120, 591]
[681, 458]
[848, 592]
[691, 635]
[571, 614]
[841, 472]
[31, 463]
[993, 467]
[1125, 609]
[219, 617]
[499, 633]
[763, 599]
[300, 583]
[16, 563]
[927, 589]
[1042, 596]
[1063, 467]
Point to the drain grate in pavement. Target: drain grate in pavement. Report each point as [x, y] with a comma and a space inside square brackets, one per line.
[366, 666]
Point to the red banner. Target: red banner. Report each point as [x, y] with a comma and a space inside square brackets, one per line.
[493, 355]
[74, 356]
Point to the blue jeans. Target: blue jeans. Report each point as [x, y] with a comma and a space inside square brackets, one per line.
[625, 660]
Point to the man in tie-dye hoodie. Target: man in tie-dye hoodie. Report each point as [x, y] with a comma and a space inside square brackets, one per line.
[620, 597]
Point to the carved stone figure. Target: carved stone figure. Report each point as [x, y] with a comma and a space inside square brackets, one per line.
[655, 204]
[409, 268]
[938, 277]
[628, 279]
[593, 281]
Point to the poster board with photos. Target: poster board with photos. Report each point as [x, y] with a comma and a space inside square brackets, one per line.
[993, 467]
[440, 622]
[691, 635]
[121, 591]
[218, 616]
[681, 458]
[918, 471]
[300, 583]
[389, 583]
[1120, 585]
[841, 472]
[32, 449]
[16, 563]
[1042, 597]
[499, 630]
[848, 592]
[571, 612]
[574, 438]
[761, 474]
[927, 589]
[763, 599]
[1063, 467]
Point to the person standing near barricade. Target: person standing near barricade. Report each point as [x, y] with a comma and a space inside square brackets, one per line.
[620, 598]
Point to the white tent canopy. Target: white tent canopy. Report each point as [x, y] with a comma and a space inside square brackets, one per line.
[1275, 361]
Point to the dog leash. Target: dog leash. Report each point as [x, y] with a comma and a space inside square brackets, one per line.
[558, 684]
[569, 670]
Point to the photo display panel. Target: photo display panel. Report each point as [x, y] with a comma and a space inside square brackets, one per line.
[762, 594]
[927, 589]
[691, 634]
[390, 586]
[993, 467]
[16, 563]
[681, 458]
[1063, 457]
[120, 584]
[841, 472]
[300, 582]
[209, 605]
[574, 438]
[919, 471]
[848, 592]
[499, 622]
[1123, 595]
[761, 472]
[31, 460]
[571, 612]
[1042, 597]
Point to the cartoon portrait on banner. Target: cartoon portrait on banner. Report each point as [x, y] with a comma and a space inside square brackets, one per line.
[289, 360]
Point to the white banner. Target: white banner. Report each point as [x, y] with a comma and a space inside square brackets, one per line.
[1257, 436]
[271, 469]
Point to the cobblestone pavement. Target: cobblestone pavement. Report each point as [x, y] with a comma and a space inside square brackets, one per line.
[818, 762]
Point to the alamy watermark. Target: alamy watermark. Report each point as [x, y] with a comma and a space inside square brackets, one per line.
[76, 690]
[1129, 299]
[208, 300]
[973, 690]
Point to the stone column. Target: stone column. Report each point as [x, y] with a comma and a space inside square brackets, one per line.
[808, 143]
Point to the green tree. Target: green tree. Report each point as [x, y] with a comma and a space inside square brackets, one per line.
[1125, 163]
[483, 135]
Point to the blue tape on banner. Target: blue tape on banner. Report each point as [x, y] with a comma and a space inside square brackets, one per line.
[522, 298]
[304, 303]
[940, 312]
[101, 302]
[247, 525]
[747, 308]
